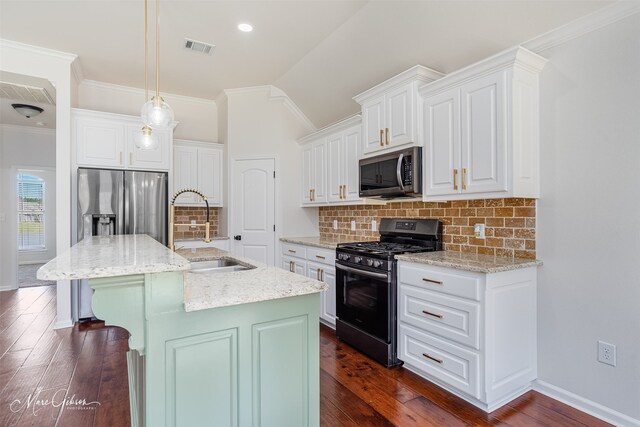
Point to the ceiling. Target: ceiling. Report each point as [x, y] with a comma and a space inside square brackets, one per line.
[321, 53]
[9, 116]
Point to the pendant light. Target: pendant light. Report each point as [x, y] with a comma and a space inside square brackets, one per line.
[156, 113]
[146, 140]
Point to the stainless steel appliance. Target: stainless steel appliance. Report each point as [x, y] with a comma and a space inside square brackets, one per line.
[366, 284]
[119, 202]
[392, 174]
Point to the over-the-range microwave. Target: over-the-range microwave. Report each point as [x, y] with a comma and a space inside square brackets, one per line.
[392, 174]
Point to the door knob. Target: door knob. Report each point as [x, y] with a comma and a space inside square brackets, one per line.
[238, 237]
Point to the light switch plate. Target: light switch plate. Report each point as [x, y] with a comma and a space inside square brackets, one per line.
[353, 226]
[374, 225]
[335, 224]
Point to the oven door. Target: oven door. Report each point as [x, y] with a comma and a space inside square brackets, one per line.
[363, 300]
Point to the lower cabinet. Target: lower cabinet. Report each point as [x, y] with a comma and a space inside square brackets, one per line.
[474, 334]
[315, 263]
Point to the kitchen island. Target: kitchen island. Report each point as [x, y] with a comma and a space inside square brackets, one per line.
[237, 345]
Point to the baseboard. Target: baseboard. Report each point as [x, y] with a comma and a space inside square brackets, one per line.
[585, 405]
[61, 324]
[7, 288]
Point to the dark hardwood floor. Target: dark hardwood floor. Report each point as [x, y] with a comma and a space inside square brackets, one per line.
[88, 362]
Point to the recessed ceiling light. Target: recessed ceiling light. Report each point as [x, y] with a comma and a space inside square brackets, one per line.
[247, 28]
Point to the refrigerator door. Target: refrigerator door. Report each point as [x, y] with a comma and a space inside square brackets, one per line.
[100, 212]
[145, 204]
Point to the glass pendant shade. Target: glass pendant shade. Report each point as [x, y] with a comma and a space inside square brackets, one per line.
[156, 113]
[146, 139]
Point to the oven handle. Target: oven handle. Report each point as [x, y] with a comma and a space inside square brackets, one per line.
[362, 272]
[399, 172]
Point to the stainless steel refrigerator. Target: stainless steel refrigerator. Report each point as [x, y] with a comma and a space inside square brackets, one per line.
[119, 202]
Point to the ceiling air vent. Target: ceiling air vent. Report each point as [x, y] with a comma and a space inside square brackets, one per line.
[199, 47]
[25, 93]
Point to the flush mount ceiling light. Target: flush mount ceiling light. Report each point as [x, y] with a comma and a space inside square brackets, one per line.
[156, 113]
[146, 139]
[27, 110]
[246, 28]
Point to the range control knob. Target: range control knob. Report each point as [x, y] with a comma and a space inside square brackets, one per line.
[369, 262]
[377, 263]
[358, 259]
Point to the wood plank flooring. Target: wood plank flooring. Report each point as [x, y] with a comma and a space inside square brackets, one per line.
[89, 362]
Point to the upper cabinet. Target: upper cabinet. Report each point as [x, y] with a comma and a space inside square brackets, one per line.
[481, 129]
[390, 110]
[107, 140]
[199, 166]
[330, 173]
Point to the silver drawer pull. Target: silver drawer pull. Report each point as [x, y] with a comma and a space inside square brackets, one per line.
[439, 316]
[432, 358]
[292, 251]
[320, 257]
[437, 282]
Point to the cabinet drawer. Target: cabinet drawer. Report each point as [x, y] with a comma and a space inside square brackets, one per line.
[297, 251]
[440, 281]
[449, 363]
[448, 316]
[323, 256]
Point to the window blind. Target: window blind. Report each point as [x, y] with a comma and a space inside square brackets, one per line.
[31, 230]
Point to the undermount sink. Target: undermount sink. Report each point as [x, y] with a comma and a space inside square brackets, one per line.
[217, 266]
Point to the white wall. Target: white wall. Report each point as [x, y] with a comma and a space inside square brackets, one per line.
[198, 118]
[259, 125]
[589, 216]
[223, 116]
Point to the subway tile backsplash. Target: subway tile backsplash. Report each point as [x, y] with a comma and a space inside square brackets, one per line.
[185, 214]
[510, 223]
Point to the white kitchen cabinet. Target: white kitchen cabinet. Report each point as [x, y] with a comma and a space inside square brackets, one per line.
[107, 140]
[390, 110]
[343, 150]
[200, 166]
[314, 173]
[481, 130]
[315, 263]
[472, 333]
[307, 173]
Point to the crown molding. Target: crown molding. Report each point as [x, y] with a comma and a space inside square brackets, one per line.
[136, 91]
[201, 144]
[275, 94]
[113, 116]
[594, 21]
[29, 129]
[338, 126]
[10, 44]
[76, 71]
[417, 73]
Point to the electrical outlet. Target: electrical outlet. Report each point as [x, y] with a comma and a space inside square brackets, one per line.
[193, 224]
[606, 353]
[353, 226]
[374, 225]
[335, 224]
[478, 231]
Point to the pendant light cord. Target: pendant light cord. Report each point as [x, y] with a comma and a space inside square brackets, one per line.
[158, 51]
[146, 53]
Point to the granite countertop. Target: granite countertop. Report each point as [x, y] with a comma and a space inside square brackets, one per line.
[261, 283]
[315, 241]
[109, 256]
[469, 262]
[200, 239]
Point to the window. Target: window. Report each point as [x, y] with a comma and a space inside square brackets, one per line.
[30, 213]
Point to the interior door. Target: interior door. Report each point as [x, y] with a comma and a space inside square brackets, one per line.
[253, 209]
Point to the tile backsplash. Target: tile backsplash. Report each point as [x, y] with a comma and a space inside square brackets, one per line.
[510, 223]
[185, 214]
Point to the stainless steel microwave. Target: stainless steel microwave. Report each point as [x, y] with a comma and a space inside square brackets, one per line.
[392, 174]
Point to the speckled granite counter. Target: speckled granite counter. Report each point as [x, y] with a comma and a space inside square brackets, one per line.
[122, 255]
[262, 283]
[314, 241]
[469, 262]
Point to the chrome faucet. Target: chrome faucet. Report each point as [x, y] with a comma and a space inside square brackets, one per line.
[172, 211]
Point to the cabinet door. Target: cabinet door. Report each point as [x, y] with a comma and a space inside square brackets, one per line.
[400, 125]
[185, 173]
[210, 174]
[319, 178]
[350, 167]
[328, 308]
[156, 159]
[373, 116]
[335, 174]
[307, 173]
[442, 143]
[99, 142]
[294, 265]
[483, 134]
